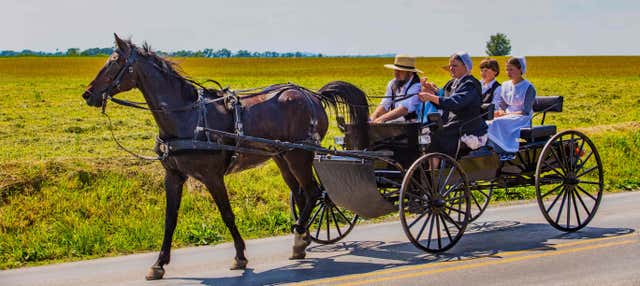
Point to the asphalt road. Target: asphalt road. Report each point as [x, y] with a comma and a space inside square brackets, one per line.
[510, 245]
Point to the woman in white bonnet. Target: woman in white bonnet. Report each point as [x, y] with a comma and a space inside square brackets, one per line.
[514, 108]
[460, 100]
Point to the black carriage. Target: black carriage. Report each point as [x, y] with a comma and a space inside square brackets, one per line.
[437, 196]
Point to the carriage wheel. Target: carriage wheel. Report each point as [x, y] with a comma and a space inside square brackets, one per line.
[569, 180]
[479, 201]
[328, 223]
[434, 202]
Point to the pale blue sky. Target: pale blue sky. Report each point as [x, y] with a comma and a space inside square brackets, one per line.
[422, 28]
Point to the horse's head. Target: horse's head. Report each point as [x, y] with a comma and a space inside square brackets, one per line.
[117, 75]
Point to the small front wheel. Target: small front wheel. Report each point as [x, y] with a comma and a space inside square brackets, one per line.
[435, 204]
[328, 223]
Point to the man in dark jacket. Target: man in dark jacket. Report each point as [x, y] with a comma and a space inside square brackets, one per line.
[461, 104]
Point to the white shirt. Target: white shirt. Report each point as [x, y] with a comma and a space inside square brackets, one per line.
[409, 103]
[487, 86]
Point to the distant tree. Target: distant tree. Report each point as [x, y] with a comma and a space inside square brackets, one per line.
[73, 52]
[243, 54]
[208, 53]
[97, 52]
[498, 45]
[222, 53]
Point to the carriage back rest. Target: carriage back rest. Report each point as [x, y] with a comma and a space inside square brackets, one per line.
[487, 110]
[543, 104]
[548, 104]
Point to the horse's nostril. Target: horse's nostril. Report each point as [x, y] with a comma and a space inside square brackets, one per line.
[85, 95]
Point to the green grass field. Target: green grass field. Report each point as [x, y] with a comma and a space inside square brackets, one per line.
[68, 193]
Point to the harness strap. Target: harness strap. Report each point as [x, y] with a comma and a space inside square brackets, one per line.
[164, 148]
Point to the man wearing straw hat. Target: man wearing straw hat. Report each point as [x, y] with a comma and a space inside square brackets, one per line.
[400, 100]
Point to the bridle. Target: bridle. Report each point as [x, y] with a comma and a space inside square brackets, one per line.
[107, 92]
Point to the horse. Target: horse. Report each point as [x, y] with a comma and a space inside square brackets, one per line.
[181, 108]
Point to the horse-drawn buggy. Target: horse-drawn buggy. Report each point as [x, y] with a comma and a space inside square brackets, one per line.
[374, 169]
[437, 195]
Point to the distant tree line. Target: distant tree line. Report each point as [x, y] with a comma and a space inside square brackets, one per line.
[206, 53]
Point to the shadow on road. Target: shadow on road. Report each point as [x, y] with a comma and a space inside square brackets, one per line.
[485, 239]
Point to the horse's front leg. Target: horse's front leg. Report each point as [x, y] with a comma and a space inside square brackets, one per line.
[173, 182]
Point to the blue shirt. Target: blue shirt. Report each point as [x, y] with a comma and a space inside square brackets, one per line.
[424, 108]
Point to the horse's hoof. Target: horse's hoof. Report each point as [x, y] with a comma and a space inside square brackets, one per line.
[300, 243]
[155, 273]
[239, 264]
[298, 255]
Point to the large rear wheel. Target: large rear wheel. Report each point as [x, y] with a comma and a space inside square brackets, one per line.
[569, 180]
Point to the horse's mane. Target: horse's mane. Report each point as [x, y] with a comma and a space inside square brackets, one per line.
[167, 67]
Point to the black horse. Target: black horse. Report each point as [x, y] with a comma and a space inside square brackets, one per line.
[179, 106]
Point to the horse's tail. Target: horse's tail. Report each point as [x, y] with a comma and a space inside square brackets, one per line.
[341, 96]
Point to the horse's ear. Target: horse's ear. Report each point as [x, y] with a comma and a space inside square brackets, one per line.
[122, 45]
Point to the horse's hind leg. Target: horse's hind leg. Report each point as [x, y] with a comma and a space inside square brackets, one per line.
[173, 182]
[291, 181]
[300, 166]
[219, 192]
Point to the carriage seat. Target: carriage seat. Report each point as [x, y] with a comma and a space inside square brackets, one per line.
[542, 104]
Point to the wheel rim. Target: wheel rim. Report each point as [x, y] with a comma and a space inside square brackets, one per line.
[434, 203]
[569, 181]
[328, 222]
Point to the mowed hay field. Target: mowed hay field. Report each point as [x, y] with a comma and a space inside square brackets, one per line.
[68, 193]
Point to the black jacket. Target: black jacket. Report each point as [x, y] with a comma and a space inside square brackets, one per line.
[462, 104]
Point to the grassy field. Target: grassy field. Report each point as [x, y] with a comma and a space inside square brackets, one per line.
[67, 192]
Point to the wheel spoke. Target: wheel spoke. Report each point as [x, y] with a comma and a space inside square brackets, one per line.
[446, 228]
[589, 182]
[564, 157]
[581, 146]
[419, 217]
[328, 222]
[571, 152]
[564, 197]
[423, 178]
[415, 197]
[454, 200]
[423, 227]
[569, 207]
[448, 217]
[587, 171]
[552, 190]
[586, 193]
[575, 207]
[455, 210]
[476, 201]
[583, 204]
[557, 158]
[347, 220]
[335, 222]
[320, 222]
[446, 180]
[438, 231]
[553, 169]
[585, 160]
[419, 185]
[313, 218]
[556, 199]
[430, 231]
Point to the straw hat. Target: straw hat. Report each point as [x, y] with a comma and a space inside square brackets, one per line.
[404, 63]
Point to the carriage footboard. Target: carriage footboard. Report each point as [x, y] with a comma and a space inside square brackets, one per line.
[351, 184]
